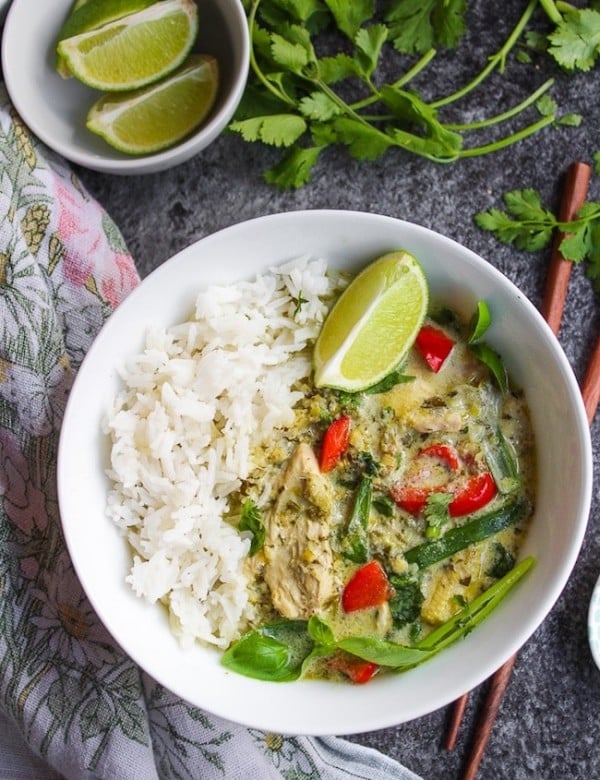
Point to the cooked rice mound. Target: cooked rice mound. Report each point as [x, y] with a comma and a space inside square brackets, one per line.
[197, 401]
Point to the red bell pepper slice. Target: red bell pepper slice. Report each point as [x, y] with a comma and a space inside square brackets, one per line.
[368, 587]
[335, 443]
[358, 670]
[434, 345]
[475, 494]
[410, 497]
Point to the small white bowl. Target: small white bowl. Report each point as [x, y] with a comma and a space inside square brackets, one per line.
[55, 108]
[347, 240]
[594, 624]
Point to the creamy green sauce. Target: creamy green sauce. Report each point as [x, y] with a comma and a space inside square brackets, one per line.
[306, 514]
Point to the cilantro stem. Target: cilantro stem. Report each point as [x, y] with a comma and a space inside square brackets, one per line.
[410, 74]
[551, 11]
[506, 114]
[494, 61]
[495, 146]
[278, 93]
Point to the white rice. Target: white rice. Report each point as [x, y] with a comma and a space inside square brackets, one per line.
[197, 401]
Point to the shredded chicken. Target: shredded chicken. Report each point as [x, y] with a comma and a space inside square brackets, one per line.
[299, 568]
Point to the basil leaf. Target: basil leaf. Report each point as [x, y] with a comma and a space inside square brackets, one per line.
[389, 381]
[319, 631]
[493, 361]
[382, 652]
[482, 319]
[274, 653]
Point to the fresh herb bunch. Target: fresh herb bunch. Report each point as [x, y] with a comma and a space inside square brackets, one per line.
[305, 102]
[528, 225]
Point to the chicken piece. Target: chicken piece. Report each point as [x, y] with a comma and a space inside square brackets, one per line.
[299, 558]
[432, 420]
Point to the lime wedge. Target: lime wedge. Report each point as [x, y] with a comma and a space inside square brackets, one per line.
[92, 14]
[157, 116]
[133, 51]
[88, 15]
[373, 324]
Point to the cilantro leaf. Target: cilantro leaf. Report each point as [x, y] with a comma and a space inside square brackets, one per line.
[273, 129]
[295, 169]
[527, 225]
[363, 141]
[449, 22]
[369, 41]
[576, 41]
[293, 55]
[418, 25]
[411, 28]
[337, 68]
[350, 16]
[319, 107]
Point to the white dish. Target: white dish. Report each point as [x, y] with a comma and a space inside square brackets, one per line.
[55, 108]
[594, 624]
[347, 240]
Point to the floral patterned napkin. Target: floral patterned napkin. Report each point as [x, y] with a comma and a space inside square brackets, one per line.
[79, 702]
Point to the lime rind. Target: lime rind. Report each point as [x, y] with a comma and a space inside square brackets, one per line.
[373, 325]
[133, 51]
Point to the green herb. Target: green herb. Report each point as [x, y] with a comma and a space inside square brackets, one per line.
[303, 102]
[355, 545]
[405, 606]
[369, 465]
[388, 382]
[502, 563]
[282, 652]
[502, 462]
[528, 225]
[494, 362]
[463, 536]
[299, 301]
[436, 513]
[575, 41]
[251, 520]
[274, 652]
[384, 505]
[417, 25]
[481, 321]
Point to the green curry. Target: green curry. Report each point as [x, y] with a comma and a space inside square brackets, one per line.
[381, 519]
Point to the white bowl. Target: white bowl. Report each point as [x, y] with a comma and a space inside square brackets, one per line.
[55, 108]
[347, 240]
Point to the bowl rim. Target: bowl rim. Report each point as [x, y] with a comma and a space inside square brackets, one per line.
[144, 164]
[347, 722]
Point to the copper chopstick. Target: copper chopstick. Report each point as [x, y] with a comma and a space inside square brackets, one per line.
[574, 194]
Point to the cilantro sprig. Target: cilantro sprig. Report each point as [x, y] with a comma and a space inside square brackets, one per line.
[529, 225]
[303, 100]
[575, 41]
